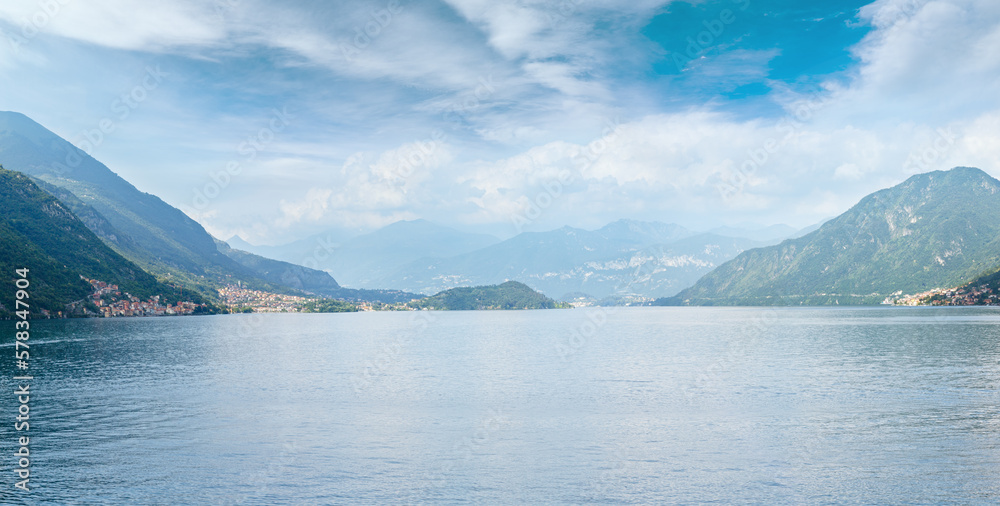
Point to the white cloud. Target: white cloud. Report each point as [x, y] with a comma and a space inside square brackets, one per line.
[118, 23]
[370, 188]
[925, 66]
[930, 61]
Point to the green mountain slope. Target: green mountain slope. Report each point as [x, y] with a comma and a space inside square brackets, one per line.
[509, 295]
[152, 234]
[934, 230]
[164, 234]
[40, 233]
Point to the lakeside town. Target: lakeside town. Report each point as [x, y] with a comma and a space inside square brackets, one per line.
[238, 298]
[108, 300]
[112, 302]
[241, 299]
[981, 295]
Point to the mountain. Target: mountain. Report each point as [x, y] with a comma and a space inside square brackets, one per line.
[165, 235]
[509, 295]
[303, 251]
[40, 233]
[237, 242]
[282, 273]
[152, 234]
[365, 260]
[643, 233]
[310, 280]
[807, 230]
[934, 230]
[624, 257]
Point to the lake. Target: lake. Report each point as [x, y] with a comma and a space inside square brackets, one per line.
[616, 405]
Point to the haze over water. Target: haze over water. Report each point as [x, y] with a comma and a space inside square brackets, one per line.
[657, 405]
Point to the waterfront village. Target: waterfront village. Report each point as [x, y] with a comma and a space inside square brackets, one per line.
[960, 296]
[111, 302]
[238, 297]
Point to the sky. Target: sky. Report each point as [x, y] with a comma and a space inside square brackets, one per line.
[278, 120]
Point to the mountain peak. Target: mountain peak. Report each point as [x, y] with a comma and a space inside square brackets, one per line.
[934, 229]
[16, 123]
[239, 243]
[955, 176]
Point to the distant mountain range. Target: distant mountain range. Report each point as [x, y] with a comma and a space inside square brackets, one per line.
[934, 230]
[366, 260]
[624, 258]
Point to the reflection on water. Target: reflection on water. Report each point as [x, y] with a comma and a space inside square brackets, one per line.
[644, 405]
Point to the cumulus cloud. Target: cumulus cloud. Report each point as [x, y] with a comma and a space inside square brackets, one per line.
[374, 189]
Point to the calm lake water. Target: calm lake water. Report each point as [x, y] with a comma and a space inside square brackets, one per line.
[643, 405]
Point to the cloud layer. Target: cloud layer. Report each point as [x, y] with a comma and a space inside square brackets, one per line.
[501, 116]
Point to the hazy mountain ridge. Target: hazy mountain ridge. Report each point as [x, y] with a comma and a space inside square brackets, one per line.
[933, 230]
[365, 260]
[624, 257]
[282, 273]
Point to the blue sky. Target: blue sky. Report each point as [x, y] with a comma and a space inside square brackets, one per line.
[504, 116]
